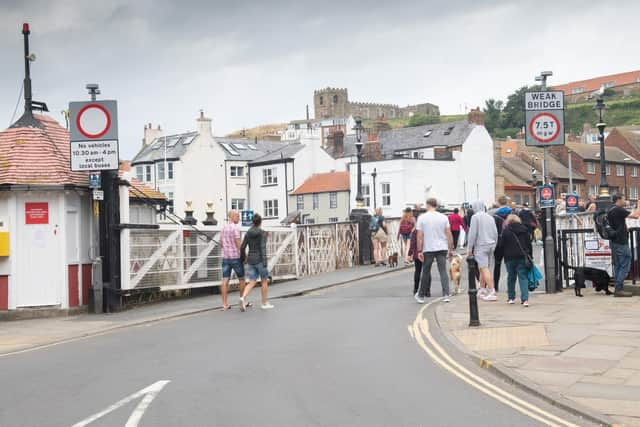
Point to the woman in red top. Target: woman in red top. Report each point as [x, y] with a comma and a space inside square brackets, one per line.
[456, 222]
[407, 225]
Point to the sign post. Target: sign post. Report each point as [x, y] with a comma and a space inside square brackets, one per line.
[544, 124]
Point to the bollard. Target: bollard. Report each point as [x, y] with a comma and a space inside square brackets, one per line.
[474, 318]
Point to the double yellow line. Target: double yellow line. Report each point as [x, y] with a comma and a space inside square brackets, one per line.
[419, 330]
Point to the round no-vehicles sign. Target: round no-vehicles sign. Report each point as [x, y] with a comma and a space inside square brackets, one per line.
[93, 121]
[544, 127]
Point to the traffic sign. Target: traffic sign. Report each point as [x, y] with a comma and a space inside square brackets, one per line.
[94, 180]
[98, 195]
[247, 218]
[544, 117]
[571, 203]
[547, 198]
[93, 132]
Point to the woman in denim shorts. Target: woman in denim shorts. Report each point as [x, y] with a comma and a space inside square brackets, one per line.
[256, 261]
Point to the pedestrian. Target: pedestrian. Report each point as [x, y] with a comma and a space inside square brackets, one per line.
[528, 219]
[592, 206]
[499, 216]
[435, 242]
[516, 244]
[414, 253]
[468, 213]
[256, 241]
[483, 238]
[231, 244]
[407, 225]
[378, 228]
[456, 223]
[620, 252]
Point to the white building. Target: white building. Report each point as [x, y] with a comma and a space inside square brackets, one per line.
[452, 162]
[297, 130]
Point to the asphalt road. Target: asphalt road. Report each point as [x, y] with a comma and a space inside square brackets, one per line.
[339, 357]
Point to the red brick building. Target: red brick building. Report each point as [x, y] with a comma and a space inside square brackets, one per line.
[584, 90]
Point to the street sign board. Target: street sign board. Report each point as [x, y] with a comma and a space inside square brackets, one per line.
[571, 203]
[93, 132]
[94, 155]
[547, 196]
[247, 218]
[94, 180]
[98, 195]
[544, 118]
[93, 121]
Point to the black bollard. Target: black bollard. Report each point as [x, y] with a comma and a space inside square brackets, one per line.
[474, 318]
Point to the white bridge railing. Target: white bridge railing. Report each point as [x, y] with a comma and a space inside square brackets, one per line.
[180, 257]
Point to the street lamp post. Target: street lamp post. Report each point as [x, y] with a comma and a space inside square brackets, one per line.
[604, 199]
[358, 128]
[374, 174]
[360, 215]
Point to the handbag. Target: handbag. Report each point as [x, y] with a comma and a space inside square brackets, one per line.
[534, 276]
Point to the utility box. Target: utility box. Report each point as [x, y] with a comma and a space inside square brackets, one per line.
[4, 243]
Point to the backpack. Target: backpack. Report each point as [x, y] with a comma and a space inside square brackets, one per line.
[405, 227]
[499, 223]
[374, 225]
[603, 226]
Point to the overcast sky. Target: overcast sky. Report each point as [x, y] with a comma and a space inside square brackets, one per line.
[255, 62]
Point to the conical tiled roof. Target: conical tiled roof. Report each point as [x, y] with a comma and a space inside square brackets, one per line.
[38, 156]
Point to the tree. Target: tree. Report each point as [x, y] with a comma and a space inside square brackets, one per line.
[420, 120]
[492, 114]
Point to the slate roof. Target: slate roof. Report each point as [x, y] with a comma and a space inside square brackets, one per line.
[631, 134]
[248, 149]
[556, 168]
[283, 152]
[323, 183]
[592, 152]
[38, 156]
[392, 141]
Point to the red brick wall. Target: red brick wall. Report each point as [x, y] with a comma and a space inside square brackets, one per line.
[4, 292]
[73, 286]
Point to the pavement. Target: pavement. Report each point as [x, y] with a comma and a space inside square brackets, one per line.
[339, 356]
[581, 352]
[20, 335]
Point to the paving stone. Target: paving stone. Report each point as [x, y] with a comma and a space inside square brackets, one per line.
[625, 340]
[502, 338]
[629, 363]
[539, 353]
[515, 361]
[609, 391]
[570, 365]
[550, 378]
[601, 379]
[592, 351]
[613, 407]
[620, 373]
[634, 381]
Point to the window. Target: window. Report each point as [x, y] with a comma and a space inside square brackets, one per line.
[170, 170]
[300, 202]
[271, 208]
[148, 173]
[237, 204]
[333, 219]
[333, 200]
[140, 173]
[619, 170]
[160, 169]
[309, 221]
[633, 193]
[321, 100]
[170, 204]
[576, 90]
[526, 198]
[316, 201]
[386, 194]
[335, 99]
[608, 170]
[366, 191]
[237, 171]
[269, 176]
[634, 172]
[591, 168]
[517, 198]
[593, 189]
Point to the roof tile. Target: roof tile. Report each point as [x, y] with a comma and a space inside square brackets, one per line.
[324, 182]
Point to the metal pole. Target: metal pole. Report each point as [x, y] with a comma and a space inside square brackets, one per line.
[374, 175]
[359, 199]
[28, 96]
[474, 316]
[570, 174]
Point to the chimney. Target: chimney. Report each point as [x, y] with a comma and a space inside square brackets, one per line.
[204, 125]
[338, 143]
[150, 134]
[476, 116]
[372, 149]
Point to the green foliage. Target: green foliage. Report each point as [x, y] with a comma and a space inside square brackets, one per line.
[492, 114]
[618, 113]
[503, 133]
[609, 92]
[419, 120]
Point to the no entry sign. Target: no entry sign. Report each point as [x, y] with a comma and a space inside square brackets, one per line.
[547, 199]
[544, 116]
[93, 131]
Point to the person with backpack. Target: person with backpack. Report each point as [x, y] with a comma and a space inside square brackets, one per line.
[256, 241]
[378, 229]
[407, 225]
[483, 237]
[499, 216]
[457, 223]
[528, 219]
[613, 226]
[518, 257]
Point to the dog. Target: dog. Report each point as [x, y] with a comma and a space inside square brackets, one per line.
[393, 260]
[455, 273]
[600, 279]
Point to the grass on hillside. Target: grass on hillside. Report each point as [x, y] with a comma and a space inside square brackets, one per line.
[618, 113]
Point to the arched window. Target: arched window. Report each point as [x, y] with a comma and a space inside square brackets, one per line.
[321, 100]
[335, 99]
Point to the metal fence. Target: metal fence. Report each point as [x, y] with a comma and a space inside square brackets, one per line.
[180, 257]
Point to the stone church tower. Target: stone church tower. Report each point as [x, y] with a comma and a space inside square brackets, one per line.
[331, 102]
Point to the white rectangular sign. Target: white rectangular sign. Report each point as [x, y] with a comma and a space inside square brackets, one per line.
[98, 195]
[94, 155]
[548, 100]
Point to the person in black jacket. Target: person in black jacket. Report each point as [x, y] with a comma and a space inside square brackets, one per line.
[256, 240]
[516, 246]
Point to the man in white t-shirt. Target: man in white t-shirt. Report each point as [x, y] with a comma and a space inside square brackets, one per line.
[435, 241]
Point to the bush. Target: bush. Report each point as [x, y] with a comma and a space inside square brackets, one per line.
[503, 133]
[420, 120]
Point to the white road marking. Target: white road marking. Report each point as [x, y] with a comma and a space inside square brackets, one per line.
[149, 394]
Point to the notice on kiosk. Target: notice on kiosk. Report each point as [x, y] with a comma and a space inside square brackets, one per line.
[550, 100]
[94, 155]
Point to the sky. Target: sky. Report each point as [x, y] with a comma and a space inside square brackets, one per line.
[247, 63]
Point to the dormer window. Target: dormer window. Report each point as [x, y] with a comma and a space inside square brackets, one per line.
[428, 133]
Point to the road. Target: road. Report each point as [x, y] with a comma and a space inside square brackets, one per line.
[338, 357]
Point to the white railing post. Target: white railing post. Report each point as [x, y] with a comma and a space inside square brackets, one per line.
[180, 255]
[335, 242]
[306, 238]
[294, 231]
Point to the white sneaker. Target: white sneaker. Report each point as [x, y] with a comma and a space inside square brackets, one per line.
[482, 292]
[243, 304]
[525, 304]
[491, 297]
[267, 306]
[511, 301]
[419, 299]
[446, 298]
